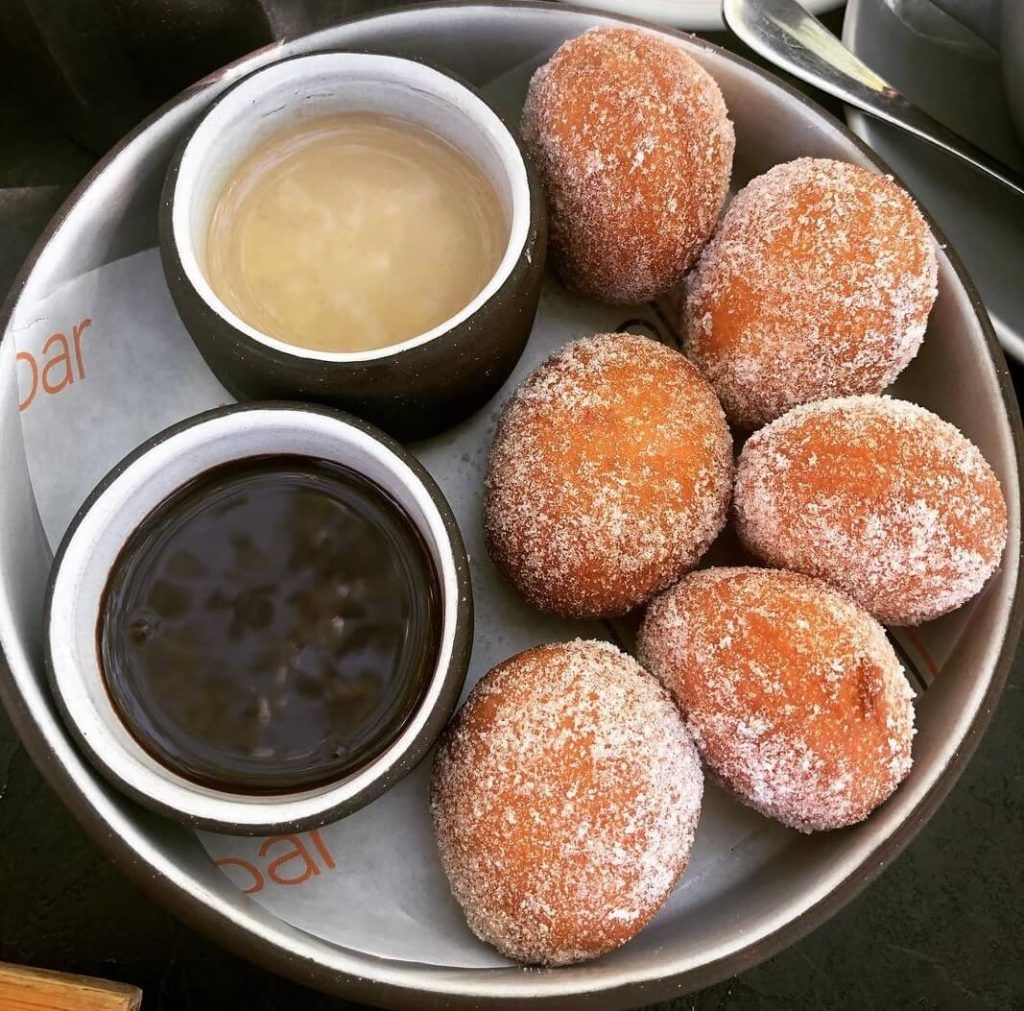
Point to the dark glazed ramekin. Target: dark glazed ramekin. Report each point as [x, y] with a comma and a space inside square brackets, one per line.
[122, 501]
[413, 389]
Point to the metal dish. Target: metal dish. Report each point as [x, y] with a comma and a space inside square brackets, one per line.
[747, 903]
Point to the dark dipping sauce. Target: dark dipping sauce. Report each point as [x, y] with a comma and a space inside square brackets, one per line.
[271, 626]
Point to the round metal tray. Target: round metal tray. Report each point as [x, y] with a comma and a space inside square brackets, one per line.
[750, 904]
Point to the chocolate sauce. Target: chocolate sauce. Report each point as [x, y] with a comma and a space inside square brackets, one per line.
[271, 626]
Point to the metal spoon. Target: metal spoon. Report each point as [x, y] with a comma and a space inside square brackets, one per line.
[786, 35]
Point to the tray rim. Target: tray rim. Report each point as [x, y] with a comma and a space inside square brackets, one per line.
[628, 991]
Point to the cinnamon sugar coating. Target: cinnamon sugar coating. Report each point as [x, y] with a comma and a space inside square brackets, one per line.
[795, 697]
[634, 147]
[565, 797]
[609, 477]
[877, 496]
[817, 284]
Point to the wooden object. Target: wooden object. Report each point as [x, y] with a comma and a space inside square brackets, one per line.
[25, 989]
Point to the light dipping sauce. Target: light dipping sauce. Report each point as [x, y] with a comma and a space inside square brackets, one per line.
[271, 626]
[353, 232]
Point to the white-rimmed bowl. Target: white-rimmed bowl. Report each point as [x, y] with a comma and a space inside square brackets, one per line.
[425, 383]
[136, 487]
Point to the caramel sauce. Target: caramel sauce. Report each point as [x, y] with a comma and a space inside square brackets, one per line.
[353, 232]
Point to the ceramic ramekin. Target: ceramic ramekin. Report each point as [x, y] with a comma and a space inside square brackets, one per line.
[411, 389]
[137, 486]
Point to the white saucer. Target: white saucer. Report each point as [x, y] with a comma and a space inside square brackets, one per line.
[692, 15]
[954, 76]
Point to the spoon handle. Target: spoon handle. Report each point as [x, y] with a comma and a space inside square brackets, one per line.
[786, 35]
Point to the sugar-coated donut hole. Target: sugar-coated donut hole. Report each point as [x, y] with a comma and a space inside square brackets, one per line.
[565, 797]
[879, 497]
[793, 693]
[609, 476]
[817, 283]
[633, 144]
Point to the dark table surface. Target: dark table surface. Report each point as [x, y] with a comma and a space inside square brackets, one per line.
[943, 927]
